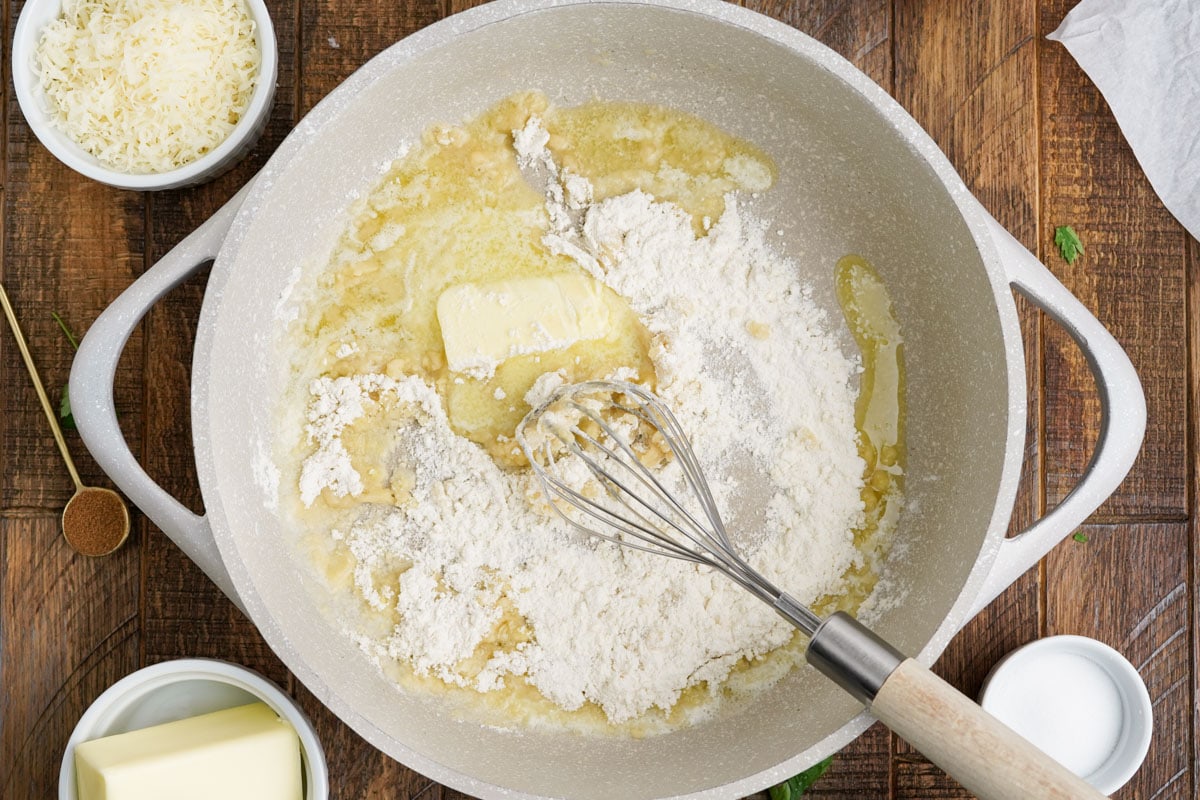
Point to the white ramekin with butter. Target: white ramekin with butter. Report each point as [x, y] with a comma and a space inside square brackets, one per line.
[195, 720]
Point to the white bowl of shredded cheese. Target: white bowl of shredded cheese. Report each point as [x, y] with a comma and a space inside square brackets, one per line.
[149, 95]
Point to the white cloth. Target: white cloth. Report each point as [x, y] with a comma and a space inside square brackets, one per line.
[1144, 56]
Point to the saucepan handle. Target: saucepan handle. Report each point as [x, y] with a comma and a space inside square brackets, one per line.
[91, 390]
[1122, 416]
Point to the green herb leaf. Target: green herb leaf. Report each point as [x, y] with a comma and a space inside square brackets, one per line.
[797, 785]
[1068, 243]
[64, 410]
[1080, 536]
[64, 404]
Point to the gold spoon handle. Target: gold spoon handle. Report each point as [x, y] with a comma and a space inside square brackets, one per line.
[37, 385]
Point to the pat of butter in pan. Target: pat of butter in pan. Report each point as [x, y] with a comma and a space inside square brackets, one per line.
[484, 324]
[242, 753]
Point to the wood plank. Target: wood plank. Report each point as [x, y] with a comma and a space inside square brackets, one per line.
[70, 630]
[861, 769]
[8, 16]
[1145, 613]
[357, 770]
[1131, 276]
[1193, 339]
[70, 246]
[65, 627]
[454, 6]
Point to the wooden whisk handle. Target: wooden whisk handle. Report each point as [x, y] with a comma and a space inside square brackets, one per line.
[976, 749]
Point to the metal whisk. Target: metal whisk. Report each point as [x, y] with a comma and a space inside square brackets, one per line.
[644, 488]
[635, 507]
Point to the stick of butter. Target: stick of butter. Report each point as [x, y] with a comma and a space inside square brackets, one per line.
[243, 753]
[484, 324]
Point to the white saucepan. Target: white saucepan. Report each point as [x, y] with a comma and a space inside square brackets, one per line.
[857, 174]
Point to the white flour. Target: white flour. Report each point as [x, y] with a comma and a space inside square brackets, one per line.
[749, 364]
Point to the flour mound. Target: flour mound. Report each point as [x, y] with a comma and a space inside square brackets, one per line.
[487, 586]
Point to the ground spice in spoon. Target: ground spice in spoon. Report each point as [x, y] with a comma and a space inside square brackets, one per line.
[95, 521]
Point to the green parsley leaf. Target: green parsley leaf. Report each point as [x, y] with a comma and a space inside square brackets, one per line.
[1080, 536]
[64, 410]
[797, 785]
[64, 404]
[1068, 243]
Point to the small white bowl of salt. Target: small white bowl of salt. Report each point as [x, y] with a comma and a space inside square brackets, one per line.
[1078, 700]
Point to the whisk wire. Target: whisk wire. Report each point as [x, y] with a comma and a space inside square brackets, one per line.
[555, 487]
[637, 509]
[695, 531]
[655, 413]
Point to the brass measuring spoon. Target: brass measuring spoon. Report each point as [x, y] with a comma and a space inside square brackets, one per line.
[95, 520]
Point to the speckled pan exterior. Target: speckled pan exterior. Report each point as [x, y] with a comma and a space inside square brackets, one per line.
[856, 175]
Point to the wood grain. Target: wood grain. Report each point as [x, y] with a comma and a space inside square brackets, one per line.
[1193, 425]
[362, 771]
[1144, 612]
[70, 631]
[70, 246]
[339, 36]
[861, 769]
[1131, 277]
[1024, 127]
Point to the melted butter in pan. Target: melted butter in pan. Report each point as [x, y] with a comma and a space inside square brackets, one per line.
[879, 416]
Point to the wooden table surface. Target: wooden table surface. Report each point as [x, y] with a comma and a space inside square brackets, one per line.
[1023, 125]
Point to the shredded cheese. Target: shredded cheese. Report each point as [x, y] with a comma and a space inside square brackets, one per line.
[147, 86]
